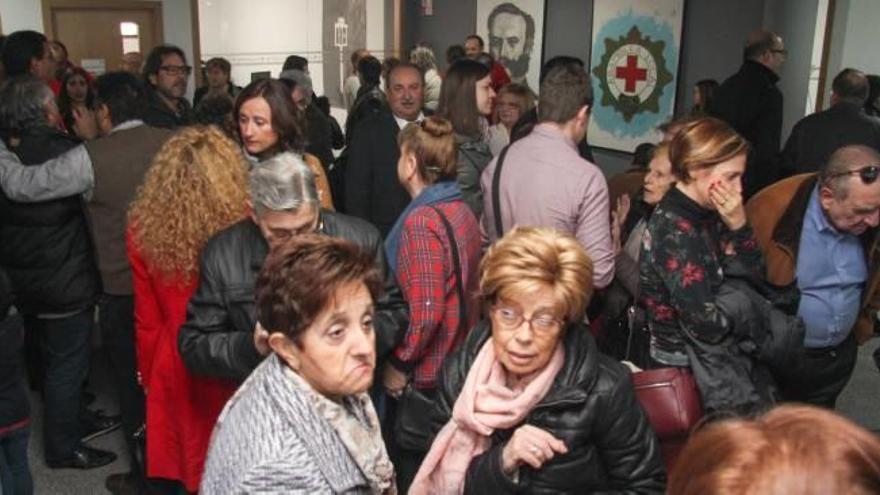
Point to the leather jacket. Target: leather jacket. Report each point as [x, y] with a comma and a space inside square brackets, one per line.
[591, 406]
[217, 338]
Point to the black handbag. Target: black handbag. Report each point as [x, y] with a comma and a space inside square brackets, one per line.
[412, 421]
[496, 195]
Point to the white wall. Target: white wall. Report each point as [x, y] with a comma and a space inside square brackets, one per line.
[176, 21]
[18, 15]
[795, 22]
[854, 39]
[257, 35]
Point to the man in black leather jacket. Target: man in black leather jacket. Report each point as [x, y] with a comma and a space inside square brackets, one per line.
[218, 338]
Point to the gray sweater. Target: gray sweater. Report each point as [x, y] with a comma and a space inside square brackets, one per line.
[271, 439]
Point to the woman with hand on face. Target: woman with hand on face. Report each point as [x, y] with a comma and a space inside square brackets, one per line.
[436, 268]
[529, 403]
[76, 100]
[697, 230]
[269, 122]
[514, 101]
[466, 100]
[303, 422]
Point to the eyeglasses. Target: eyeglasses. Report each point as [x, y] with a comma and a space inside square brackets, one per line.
[511, 319]
[176, 70]
[867, 174]
[779, 51]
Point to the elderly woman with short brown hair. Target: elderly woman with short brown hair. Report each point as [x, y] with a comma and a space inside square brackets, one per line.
[529, 403]
[303, 422]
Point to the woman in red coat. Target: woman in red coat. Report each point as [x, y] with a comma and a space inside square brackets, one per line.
[196, 186]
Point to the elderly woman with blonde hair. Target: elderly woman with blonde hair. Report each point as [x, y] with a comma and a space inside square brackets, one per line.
[196, 186]
[529, 403]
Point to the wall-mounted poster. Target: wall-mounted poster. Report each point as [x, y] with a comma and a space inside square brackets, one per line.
[514, 35]
[634, 68]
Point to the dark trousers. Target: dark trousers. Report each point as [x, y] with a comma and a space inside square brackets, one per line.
[819, 375]
[66, 355]
[116, 320]
[15, 472]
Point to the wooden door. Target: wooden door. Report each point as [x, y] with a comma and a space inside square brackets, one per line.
[93, 29]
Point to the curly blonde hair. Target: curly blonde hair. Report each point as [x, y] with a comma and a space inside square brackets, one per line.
[196, 186]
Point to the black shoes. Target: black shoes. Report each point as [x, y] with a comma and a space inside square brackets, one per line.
[84, 458]
[96, 423]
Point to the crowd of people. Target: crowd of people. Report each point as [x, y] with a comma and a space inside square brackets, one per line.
[446, 297]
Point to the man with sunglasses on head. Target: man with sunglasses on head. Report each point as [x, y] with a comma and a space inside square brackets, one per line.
[220, 337]
[165, 75]
[819, 231]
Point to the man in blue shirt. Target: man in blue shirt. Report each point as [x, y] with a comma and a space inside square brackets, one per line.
[819, 231]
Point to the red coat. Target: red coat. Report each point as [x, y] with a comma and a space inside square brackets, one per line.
[181, 408]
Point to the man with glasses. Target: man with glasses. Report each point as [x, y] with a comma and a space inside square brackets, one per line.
[752, 104]
[220, 338]
[819, 231]
[165, 75]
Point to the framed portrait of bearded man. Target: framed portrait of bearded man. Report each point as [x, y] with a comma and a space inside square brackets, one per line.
[514, 36]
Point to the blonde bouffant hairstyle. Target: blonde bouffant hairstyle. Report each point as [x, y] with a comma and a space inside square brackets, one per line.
[196, 186]
[528, 259]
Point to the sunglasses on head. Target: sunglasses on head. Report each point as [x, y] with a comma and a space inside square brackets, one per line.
[867, 174]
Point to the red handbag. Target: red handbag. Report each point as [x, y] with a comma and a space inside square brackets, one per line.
[671, 401]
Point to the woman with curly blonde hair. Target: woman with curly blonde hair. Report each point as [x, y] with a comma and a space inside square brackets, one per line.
[196, 186]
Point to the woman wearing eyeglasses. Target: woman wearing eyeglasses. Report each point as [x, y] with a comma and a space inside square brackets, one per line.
[529, 403]
[269, 123]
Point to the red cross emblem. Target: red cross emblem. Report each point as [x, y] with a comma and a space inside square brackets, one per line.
[631, 73]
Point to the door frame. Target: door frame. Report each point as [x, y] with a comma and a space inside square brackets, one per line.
[51, 6]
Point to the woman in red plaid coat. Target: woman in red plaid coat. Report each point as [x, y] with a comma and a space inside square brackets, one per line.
[434, 249]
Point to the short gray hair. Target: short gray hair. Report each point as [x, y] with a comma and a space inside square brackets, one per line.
[283, 183]
[23, 102]
[423, 58]
[846, 158]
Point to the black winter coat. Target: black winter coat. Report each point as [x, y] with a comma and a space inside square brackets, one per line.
[816, 136]
[157, 114]
[46, 247]
[591, 407]
[217, 338]
[752, 104]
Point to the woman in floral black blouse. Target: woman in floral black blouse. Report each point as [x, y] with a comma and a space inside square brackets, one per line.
[698, 227]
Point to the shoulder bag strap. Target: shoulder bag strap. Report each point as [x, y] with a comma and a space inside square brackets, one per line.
[496, 196]
[456, 262]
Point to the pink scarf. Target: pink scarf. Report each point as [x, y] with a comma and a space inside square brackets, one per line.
[484, 405]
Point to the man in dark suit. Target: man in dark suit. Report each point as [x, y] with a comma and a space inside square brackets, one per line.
[752, 104]
[816, 136]
[372, 190]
